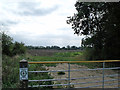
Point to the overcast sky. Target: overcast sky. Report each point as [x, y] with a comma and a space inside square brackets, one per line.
[39, 22]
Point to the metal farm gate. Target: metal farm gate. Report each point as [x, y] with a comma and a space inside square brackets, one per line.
[115, 78]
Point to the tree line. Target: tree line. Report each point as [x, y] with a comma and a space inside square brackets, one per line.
[55, 47]
[100, 23]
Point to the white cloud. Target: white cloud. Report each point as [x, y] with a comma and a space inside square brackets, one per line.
[40, 22]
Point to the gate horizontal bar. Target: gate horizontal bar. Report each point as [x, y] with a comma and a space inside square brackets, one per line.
[47, 62]
[71, 78]
[75, 70]
[48, 71]
[100, 85]
[74, 83]
[93, 82]
[49, 85]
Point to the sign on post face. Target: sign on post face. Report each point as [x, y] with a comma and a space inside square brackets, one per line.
[23, 73]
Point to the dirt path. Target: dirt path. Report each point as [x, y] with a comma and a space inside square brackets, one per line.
[79, 74]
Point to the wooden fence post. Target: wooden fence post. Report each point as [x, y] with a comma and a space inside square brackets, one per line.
[23, 73]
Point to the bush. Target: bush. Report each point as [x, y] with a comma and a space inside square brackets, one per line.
[11, 49]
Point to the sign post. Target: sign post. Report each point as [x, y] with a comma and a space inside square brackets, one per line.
[23, 73]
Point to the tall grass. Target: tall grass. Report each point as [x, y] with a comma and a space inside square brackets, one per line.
[10, 72]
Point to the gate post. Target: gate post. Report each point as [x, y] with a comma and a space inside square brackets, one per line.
[23, 73]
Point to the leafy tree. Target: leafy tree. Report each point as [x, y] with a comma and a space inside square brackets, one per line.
[19, 48]
[100, 22]
[48, 47]
[68, 47]
[7, 45]
[63, 48]
[55, 47]
[9, 48]
[73, 47]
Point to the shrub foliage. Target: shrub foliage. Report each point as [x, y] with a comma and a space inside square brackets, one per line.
[11, 48]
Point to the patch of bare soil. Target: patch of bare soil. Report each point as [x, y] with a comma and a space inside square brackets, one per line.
[78, 74]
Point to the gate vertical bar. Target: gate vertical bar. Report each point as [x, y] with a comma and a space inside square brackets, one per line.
[119, 78]
[103, 74]
[69, 74]
[23, 73]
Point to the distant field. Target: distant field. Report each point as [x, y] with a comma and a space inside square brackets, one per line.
[36, 52]
[55, 55]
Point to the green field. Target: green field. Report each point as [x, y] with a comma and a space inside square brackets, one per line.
[62, 56]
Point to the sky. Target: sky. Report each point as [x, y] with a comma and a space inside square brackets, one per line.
[39, 22]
